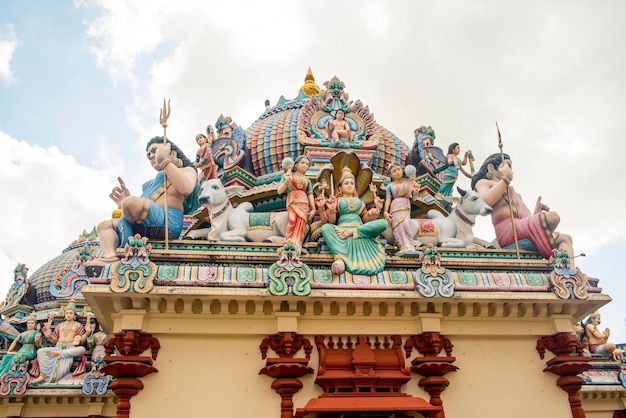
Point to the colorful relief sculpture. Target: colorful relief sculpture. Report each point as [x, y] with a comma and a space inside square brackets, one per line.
[597, 341]
[454, 165]
[454, 230]
[68, 338]
[239, 224]
[397, 210]
[339, 132]
[146, 214]
[300, 202]
[28, 340]
[425, 156]
[535, 230]
[330, 120]
[21, 292]
[349, 228]
[204, 159]
[229, 149]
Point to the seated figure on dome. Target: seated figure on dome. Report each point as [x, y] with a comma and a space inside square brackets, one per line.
[146, 214]
[339, 132]
[353, 241]
[597, 340]
[535, 230]
[68, 339]
[425, 156]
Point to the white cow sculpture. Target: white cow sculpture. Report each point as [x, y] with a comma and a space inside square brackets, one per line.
[231, 224]
[455, 230]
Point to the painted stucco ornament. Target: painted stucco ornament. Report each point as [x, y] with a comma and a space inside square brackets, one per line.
[21, 292]
[330, 120]
[433, 280]
[289, 275]
[96, 382]
[565, 281]
[229, 148]
[135, 272]
[70, 284]
[15, 381]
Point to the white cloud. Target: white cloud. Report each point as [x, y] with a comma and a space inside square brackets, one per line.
[47, 200]
[8, 44]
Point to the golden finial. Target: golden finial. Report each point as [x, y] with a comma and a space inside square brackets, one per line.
[309, 87]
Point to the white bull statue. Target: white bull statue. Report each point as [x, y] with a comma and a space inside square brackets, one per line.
[453, 231]
[241, 223]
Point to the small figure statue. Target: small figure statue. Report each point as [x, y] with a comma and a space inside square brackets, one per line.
[204, 159]
[98, 340]
[146, 214]
[536, 230]
[353, 241]
[451, 173]
[597, 340]
[68, 337]
[29, 340]
[300, 202]
[397, 209]
[339, 131]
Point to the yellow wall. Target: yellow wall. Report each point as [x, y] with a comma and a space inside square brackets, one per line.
[497, 378]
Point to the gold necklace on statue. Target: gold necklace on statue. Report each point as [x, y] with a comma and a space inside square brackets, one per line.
[400, 188]
[299, 181]
[351, 203]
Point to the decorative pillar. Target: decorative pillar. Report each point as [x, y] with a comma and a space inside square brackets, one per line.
[129, 365]
[286, 368]
[432, 366]
[568, 363]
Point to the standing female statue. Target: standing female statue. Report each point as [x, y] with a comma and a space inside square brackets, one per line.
[300, 202]
[397, 209]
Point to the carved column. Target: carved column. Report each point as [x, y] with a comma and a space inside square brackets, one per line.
[432, 366]
[128, 366]
[286, 369]
[568, 363]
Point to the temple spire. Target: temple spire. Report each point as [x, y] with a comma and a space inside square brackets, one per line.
[309, 87]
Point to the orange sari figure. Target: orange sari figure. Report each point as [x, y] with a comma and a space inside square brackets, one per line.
[300, 202]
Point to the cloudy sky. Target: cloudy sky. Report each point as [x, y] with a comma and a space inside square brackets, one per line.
[81, 84]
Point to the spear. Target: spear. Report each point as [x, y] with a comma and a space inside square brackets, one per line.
[163, 117]
[508, 194]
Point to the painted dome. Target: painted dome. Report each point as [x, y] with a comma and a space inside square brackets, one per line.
[287, 128]
[62, 267]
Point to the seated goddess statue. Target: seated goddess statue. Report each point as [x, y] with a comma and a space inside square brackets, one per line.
[353, 241]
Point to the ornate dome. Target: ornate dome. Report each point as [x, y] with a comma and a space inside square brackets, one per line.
[289, 127]
[57, 268]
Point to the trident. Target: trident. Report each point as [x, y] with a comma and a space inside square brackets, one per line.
[164, 115]
[508, 194]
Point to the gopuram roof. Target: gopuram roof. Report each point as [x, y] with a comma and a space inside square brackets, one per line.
[232, 262]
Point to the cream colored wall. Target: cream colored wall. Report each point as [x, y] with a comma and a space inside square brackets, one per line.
[498, 377]
[210, 355]
[502, 377]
